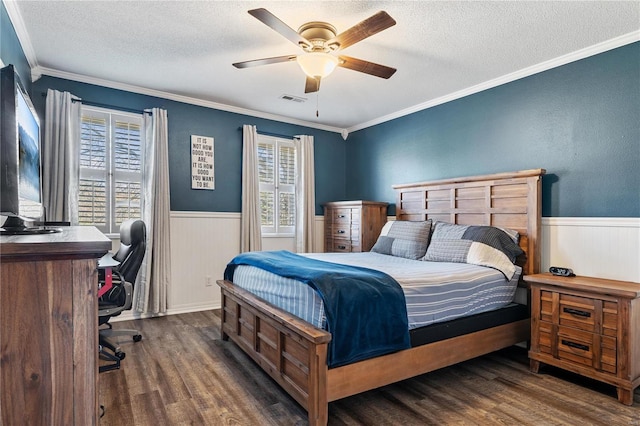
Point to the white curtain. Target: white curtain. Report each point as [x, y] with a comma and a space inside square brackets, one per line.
[251, 232]
[60, 164]
[151, 289]
[305, 197]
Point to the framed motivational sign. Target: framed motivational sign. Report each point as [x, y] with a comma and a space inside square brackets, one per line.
[202, 171]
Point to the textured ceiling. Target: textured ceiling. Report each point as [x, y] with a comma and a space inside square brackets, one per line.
[442, 49]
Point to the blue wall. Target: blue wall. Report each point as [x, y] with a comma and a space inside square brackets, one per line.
[580, 122]
[186, 120]
[10, 50]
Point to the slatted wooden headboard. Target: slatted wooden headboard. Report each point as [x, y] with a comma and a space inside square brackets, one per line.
[508, 200]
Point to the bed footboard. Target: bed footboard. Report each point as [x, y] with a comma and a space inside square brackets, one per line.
[294, 352]
[291, 351]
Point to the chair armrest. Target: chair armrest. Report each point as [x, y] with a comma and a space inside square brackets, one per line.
[112, 306]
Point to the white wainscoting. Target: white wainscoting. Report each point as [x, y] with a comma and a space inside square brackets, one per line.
[599, 247]
[202, 243]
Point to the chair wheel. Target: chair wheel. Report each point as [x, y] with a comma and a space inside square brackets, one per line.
[120, 355]
[137, 337]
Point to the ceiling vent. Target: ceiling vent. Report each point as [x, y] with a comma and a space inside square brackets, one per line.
[292, 98]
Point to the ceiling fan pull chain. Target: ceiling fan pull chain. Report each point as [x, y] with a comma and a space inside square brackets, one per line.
[317, 108]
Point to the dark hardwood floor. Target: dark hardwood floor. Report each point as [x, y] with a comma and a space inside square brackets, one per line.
[182, 373]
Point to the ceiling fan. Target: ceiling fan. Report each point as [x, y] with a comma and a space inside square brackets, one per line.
[319, 40]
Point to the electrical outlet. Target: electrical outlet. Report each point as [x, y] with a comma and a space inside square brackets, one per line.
[208, 281]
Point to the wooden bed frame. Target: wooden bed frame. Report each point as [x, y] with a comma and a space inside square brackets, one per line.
[294, 352]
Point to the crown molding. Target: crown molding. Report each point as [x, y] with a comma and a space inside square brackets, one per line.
[613, 43]
[179, 98]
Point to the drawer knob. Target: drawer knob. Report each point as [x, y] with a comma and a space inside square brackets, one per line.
[577, 312]
[341, 231]
[342, 247]
[341, 216]
[575, 345]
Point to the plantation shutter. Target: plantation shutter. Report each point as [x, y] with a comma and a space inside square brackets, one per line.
[111, 155]
[286, 189]
[93, 205]
[266, 176]
[127, 171]
[276, 174]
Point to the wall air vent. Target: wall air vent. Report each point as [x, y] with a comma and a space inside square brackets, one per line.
[292, 98]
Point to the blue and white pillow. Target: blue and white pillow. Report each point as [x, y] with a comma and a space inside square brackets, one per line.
[477, 245]
[403, 238]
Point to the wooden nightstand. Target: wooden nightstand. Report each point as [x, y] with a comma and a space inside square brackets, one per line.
[589, 326]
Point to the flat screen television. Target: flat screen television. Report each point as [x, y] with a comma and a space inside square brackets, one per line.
[20, 158]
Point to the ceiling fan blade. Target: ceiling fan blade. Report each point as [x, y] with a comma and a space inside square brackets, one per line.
[265, 61]
[366, 67]
[272, 21]
[312, 84]
[370, 26]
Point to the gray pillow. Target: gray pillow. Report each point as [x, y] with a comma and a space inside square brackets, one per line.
[477, 245]
[404, 239]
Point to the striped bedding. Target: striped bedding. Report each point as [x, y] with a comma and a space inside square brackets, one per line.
[434, 291]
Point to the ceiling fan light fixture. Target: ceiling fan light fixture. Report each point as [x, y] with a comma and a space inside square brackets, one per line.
[317, 64]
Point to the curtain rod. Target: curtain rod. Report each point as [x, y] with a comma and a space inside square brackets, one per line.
[101, 105]
[275, 135]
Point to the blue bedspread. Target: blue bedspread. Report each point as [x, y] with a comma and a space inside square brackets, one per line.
[366, 310]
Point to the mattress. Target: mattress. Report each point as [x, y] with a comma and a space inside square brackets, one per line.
[434, 291]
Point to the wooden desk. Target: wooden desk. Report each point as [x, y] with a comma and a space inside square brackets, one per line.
[49, 327]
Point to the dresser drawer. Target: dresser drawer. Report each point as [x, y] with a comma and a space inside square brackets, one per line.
[345, 232]
[344, 215]
[588, 349]
[343, 246]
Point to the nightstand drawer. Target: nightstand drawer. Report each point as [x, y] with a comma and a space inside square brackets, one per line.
[584, 313]
[588, 349]
[579, 312]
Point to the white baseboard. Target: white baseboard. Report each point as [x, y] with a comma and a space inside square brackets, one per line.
[184, 309]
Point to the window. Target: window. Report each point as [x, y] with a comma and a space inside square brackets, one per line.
[276, 171]
[110, 184]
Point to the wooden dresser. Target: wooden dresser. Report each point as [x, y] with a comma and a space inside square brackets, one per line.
[49, 327]
[589, 326]
[353, 226]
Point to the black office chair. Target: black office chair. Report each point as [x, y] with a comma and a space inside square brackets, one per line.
[119, 298]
